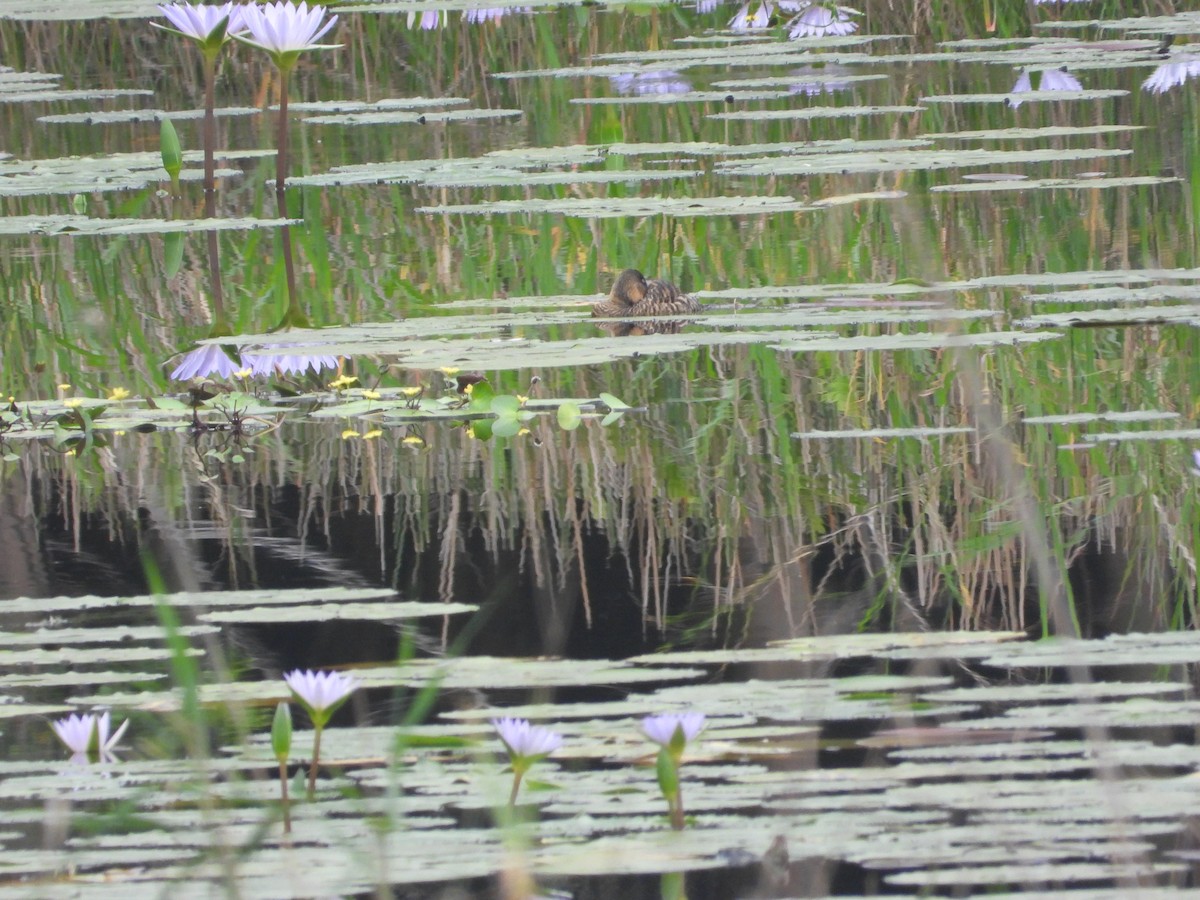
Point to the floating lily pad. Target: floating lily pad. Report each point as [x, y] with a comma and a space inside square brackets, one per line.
[1057, 183]
[83, 225]
[612, 207]
[812, 112]
[400, 117]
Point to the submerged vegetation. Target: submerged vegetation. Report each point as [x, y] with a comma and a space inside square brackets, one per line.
[918, 464]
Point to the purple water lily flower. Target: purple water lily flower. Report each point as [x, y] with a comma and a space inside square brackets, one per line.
[522, 739]
[640, 84]
[199, 21]
[1050, 80]
[321, 692]
[285, 30]
[747, 19]
[203, 362]
[661, 729]
[264, 364]
[818, 20]
[526, 744]
[1170, 75]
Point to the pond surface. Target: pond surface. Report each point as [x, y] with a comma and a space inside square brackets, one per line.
[907, 510]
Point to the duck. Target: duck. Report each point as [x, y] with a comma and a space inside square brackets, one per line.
[633, 294]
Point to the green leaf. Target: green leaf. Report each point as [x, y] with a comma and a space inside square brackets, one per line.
[569, 415]
[172, 151]
[281, 732]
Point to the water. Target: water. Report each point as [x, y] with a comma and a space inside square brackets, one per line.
[939, 390]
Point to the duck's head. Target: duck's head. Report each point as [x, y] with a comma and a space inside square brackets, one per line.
[629, 288]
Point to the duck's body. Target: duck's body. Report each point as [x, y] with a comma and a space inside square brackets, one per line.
[635, 295]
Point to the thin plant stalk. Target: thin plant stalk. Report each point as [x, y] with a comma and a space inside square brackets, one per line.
[294, 316]
[518, 774]
[220, 325]
[287, 803]
[316, 761]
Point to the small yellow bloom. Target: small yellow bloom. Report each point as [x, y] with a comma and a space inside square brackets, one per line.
[243, 373]
[372, 434]
[413, 439]
[343, 381]
[523, 430]
[449, 370]
[522, 399]
[467, 388]
[349, 433]
[371, 395]
[118, 393]
[410, 391]
[71, 452]
[64, 387]
[73, 402]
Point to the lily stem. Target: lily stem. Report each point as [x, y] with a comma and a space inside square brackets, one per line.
[316, 761]
[210, 189]
[283, 791]
[294, 316]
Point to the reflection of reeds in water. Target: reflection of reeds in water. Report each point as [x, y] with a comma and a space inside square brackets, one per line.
[707, 494]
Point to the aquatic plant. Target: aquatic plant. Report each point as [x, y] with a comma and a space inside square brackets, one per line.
[211, 27]
[281, 746]
[819, 20]
[87, 735]
[205, 360]
[321, 694]
[284, 30]
[526, 744]
[1170, 75]
[672, 731]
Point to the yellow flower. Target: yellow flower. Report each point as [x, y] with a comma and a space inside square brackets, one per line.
[73, 402]
[118, 393]
[372, 434]
[64, 387]
[243, 373]
[413, 439]
[523, 430]
[522, 399]
[449, 370]
[371, 395]
[467, 388]
[343, 381]
[349, 433]
[410, 391]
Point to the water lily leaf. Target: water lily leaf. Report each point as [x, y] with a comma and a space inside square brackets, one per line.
[569, 416]
[83, 225]
[400, 117]
[811, 112]
[1056, 183]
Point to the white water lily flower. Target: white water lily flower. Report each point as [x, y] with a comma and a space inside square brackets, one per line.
[661, 729]
[320, 691]
[199, 21]
[285, 29]
[88, 733]
[525, 740]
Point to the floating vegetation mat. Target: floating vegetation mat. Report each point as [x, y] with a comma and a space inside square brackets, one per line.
[871, 750]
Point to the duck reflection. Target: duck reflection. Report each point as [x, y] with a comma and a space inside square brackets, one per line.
[635, 295]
